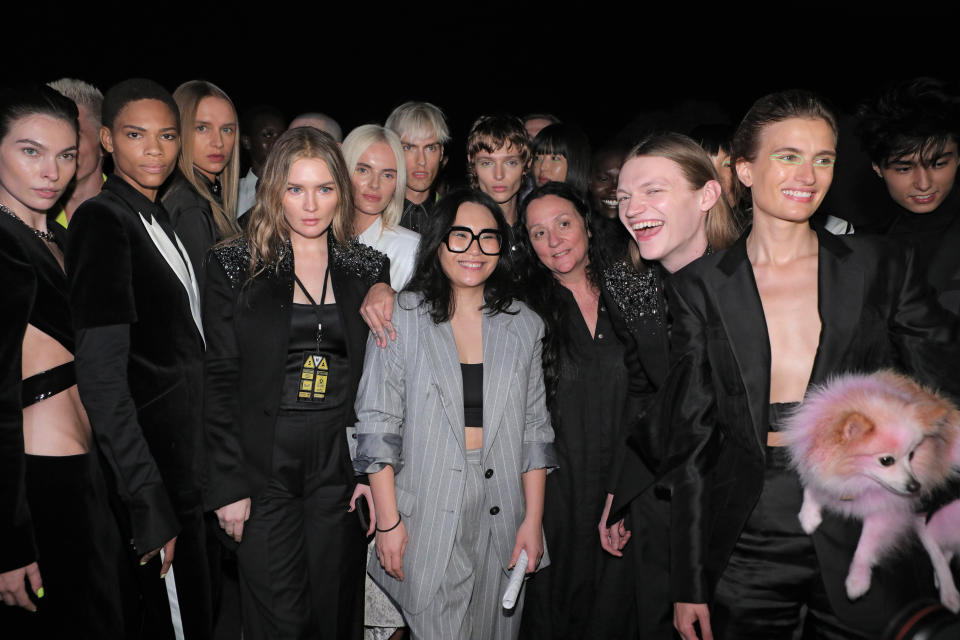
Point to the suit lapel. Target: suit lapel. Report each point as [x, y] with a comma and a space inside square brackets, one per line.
[839, 299]
[500, 348]
[268, 303]
[442, 351]
[745, 324]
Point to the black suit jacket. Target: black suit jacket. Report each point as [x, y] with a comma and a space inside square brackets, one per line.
[18, 294]
[247, 325]
[139, 358]
[876, 311]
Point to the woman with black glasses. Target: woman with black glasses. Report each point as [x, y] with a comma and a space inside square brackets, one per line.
[454, 432]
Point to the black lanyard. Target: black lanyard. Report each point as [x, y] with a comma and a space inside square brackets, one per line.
[316, 308]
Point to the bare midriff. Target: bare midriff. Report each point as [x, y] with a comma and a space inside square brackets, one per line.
[58, 425]
[473, 436]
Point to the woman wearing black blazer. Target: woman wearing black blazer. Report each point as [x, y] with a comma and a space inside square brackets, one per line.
[201, 197]
[753, 327]
[284, 359]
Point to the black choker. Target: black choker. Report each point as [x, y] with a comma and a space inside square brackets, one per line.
[43, 235]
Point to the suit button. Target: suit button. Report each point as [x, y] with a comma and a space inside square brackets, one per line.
[494, 511]
[353, 435]
[488, 474]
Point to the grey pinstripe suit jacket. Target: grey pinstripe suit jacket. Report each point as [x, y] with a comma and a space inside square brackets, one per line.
[410, 416]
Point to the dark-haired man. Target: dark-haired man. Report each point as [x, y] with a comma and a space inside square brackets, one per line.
[910, 133]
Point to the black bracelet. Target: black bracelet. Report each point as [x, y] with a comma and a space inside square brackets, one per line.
[399, 520]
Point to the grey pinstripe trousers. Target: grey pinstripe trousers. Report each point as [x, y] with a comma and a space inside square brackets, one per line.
[467, 604]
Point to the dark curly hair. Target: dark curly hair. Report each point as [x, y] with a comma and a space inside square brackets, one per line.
[432, 283]
[918, 116]
[544, 293]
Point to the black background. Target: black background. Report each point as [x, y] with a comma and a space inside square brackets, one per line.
[599, 64]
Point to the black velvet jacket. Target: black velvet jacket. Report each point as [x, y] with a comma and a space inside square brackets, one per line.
[876, 312]
[30, 291]
[247, 323]
[139, 359]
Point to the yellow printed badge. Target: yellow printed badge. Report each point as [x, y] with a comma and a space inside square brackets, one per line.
[314, 375]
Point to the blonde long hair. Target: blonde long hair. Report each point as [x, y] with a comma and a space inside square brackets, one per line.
[188, 96]
[267, 232]
[698, 169]
[361, 139]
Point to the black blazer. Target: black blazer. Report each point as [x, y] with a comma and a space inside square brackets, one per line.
[876, 311]
[192, 219]
[138, 360]
[247, 325]
[943, 272]
[21, 286]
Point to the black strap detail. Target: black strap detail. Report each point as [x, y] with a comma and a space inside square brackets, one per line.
[316, 308]
[41, 386]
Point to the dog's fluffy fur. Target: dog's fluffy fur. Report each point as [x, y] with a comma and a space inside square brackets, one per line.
[871, 447]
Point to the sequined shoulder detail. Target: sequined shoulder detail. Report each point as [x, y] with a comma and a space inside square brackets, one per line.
[359, 260]
[234, 257]
[636, 294]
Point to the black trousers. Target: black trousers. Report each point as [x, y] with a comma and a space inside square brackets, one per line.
[302, 559]
[772, 585]
[650, 515]
[79, 554]
[161, 606]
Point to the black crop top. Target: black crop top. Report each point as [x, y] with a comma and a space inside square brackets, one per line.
[472, 394]
[321, 386]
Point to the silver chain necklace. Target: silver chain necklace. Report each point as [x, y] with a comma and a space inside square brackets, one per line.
[43, 235]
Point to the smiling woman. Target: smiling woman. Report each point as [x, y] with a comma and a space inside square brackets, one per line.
[589, 394]
[754, 326]
[454, 432]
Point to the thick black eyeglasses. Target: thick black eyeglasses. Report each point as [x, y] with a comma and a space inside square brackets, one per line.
[459, 239]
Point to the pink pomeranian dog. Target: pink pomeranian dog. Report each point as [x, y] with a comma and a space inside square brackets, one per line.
[871, 447]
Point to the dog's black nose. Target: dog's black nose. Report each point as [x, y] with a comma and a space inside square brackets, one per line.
[913, 486]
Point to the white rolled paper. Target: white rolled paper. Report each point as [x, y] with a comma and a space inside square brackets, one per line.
[516, 581]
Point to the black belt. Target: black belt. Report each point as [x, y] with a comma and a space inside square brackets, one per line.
[48, 383]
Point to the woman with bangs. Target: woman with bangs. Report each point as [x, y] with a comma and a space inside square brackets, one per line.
[561, 153]
[202, 196]
[284, 354]
[378, 175]
[498, 156]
